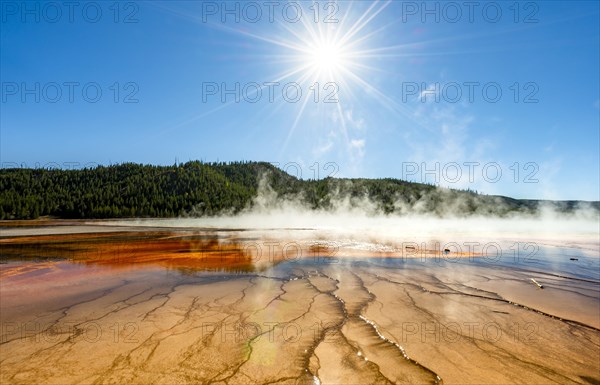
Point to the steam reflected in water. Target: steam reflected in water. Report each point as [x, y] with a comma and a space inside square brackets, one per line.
[149, 303]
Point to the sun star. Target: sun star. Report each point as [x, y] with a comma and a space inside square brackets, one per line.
[326, 57]
[329, 59]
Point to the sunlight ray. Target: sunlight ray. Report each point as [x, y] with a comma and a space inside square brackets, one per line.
[297, 119]
[357, 28]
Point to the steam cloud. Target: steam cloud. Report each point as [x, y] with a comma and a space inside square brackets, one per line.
[359, 217]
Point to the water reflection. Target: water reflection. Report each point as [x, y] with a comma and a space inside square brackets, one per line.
[124, 306]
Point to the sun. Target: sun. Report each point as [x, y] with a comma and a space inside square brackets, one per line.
[328, 60]
[326, 57]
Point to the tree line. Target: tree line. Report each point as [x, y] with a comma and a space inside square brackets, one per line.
[201, 189]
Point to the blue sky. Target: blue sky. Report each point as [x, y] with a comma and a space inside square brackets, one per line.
[390, 71]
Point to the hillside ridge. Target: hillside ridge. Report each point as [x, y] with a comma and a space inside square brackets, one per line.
[203, 189]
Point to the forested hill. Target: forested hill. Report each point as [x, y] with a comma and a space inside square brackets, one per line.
[195, 188]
